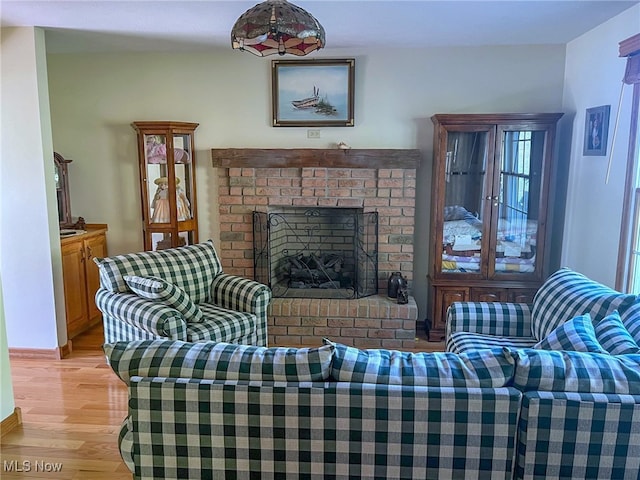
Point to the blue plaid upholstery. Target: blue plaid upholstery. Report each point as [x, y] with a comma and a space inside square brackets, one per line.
[578, 436]
[614, 337]
[482, 325]
[465, 342]
[477, 369]
[631, 320]
[234, 308]
[575, 335]
[567, 294]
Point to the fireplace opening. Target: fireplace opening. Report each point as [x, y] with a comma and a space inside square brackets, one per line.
[316, 252]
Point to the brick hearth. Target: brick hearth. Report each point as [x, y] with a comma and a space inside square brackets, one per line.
[354, 179]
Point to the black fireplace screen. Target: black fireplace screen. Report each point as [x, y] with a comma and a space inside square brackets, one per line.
[317, 252]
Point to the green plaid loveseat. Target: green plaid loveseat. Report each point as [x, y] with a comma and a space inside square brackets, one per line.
[220, 411]
[180, 294]
[577, 364]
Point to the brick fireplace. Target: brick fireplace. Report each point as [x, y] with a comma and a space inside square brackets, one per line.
[384, 181]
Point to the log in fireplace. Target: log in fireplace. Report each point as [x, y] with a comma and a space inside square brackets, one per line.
[317, 252]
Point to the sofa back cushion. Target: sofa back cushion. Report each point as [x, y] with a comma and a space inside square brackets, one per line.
[563, 371]
[475, 369]
[614, 337]
[217, 361]
[567, 294]
[631, 320]
[191, 268]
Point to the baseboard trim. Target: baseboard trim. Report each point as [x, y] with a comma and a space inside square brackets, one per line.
[66, 349]
[12, 421]
[36, 353]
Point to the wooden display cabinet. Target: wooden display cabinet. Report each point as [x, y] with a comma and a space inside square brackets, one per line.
[81, 277]
[166, 155]
[489, 229]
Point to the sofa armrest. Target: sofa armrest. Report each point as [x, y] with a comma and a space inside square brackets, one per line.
[147, 315]
[239, 293]
[490, 318]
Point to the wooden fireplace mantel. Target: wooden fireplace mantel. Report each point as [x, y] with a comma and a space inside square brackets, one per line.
[315, 157]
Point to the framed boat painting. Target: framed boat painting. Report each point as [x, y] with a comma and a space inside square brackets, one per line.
[313, 93]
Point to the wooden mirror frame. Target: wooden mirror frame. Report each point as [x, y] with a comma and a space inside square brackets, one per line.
[62, 191]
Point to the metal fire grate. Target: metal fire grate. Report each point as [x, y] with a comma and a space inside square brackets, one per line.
[317, 252]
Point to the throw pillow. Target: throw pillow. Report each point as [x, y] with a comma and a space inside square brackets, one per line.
[575, 372]
[153, 288]
[218, 361]
[614, 337]
[567, 294]
[575, 335]
[475, 369]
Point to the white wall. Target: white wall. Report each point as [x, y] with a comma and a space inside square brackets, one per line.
[594, 208]
[29, 241]
[94, 99]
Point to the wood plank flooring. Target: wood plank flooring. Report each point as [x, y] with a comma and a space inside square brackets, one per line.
[72, 410]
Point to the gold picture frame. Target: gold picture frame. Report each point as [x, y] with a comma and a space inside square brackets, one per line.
[313, 93]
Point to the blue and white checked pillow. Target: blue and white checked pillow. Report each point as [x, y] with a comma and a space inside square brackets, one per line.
[614, 337]
[153, 288]
[575, 335]
[218, 361]
[567, 294]
[481, 368]
[562, 371]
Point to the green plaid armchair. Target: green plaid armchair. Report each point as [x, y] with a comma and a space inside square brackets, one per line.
[180, 294]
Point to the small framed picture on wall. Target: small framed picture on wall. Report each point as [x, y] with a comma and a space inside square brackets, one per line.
[596, 127]
[313, 93]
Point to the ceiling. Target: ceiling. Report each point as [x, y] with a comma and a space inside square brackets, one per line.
[173, 26]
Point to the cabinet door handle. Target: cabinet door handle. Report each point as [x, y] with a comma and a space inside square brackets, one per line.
[82, 258]
[89, 253]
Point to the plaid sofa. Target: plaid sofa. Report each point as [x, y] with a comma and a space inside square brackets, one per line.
[216, 410]
[179, 294]
[232, 411]
[576, 357]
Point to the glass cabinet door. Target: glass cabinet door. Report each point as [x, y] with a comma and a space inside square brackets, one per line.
[168, 185]
[467, 178]
[517, 201]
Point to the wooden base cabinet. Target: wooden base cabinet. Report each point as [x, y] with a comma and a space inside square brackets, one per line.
[489, 229]
[81, 277]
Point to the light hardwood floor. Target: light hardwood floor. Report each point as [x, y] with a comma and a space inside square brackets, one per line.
[72, 410]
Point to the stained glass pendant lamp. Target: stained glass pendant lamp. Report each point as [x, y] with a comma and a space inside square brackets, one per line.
[277, 26]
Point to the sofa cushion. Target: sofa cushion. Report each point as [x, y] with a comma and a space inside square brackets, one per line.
[153, 288]
[221, 325]
[564, 371]
[192, 268]
[218, 361]
[567, 294]
[631, 320]
[576, 335]
[480, 368]
[614, 337]
[460, 342]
